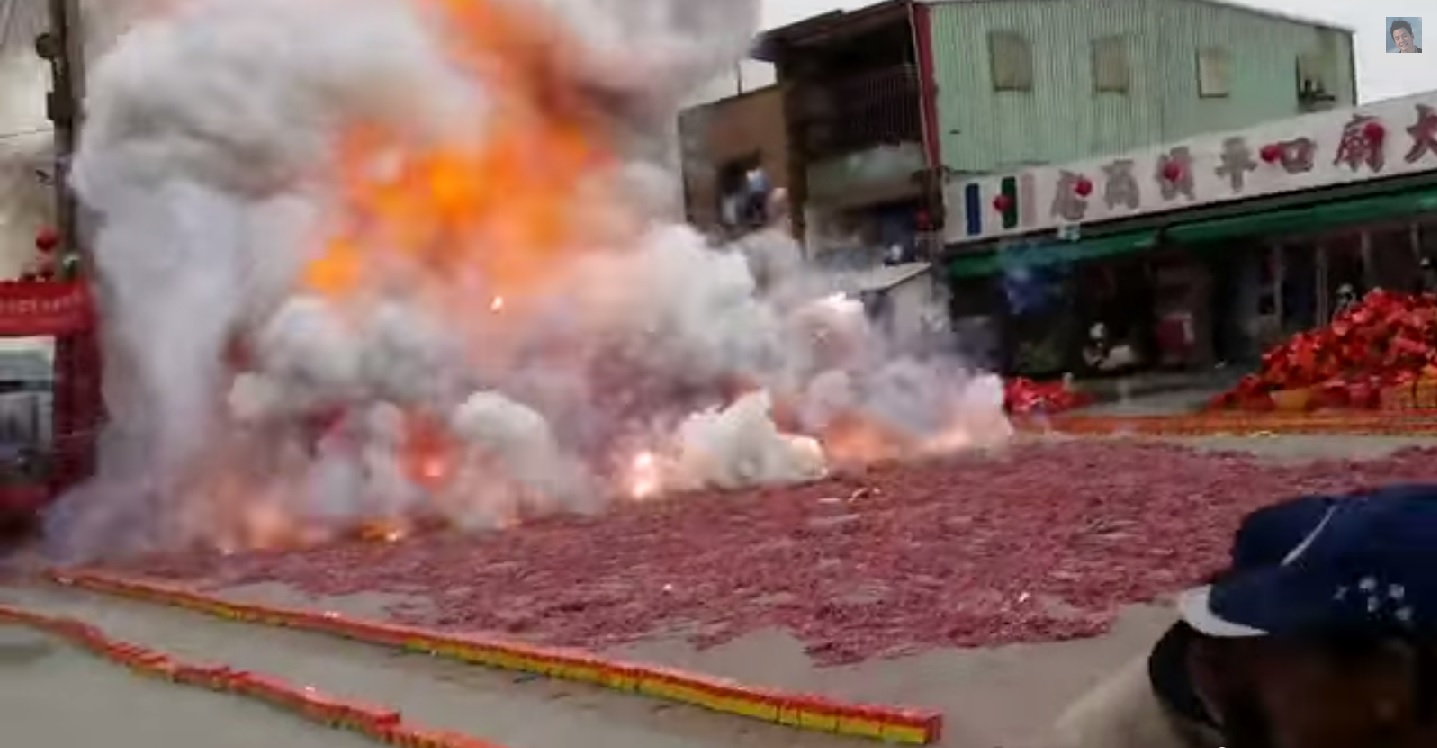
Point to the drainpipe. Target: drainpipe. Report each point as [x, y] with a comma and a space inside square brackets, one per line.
[920, 23]
[61, 47]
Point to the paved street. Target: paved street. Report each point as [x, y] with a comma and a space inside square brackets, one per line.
[66, 698]
[52, 695]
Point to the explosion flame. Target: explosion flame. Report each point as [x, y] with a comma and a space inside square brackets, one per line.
[379, 262]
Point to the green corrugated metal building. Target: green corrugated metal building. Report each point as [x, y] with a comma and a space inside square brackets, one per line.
[1021, 82]
[1111, 75]
[886, 104]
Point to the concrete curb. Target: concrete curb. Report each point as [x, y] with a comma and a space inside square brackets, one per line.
[378, 723]
[1413, 423]
[808, 712]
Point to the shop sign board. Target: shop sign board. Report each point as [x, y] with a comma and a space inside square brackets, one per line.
[43, 308]
[1386, 139]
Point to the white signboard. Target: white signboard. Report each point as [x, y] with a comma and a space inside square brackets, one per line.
[1389, 138]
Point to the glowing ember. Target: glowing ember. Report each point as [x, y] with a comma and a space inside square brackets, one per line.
[644, 479]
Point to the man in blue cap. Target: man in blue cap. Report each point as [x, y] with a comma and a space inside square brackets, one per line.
[1319, 635]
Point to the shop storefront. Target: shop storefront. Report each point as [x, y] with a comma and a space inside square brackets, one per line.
[1204, 252]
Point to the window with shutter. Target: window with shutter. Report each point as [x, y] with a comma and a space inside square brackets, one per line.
[1011, 61]
[1110, 65]
[1213, 73]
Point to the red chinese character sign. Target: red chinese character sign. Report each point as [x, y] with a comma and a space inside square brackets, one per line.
[1424, 135]
[42, 306]
[34, 309]
[1362, 144]
[1396, 137]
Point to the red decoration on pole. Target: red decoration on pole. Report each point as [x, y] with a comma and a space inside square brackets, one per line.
[1374, 131]
[1083, 187]
[46, 240]
[1271, 153]
[1172, 171]
[1002, 203]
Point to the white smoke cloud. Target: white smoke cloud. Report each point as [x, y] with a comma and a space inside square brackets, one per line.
[207, 159]
[740, 446]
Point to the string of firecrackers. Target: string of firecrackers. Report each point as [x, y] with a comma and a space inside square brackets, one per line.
[1387, 423]
[890, 724]
[383, 725]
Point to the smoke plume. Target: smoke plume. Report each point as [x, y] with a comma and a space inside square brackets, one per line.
[378, 260]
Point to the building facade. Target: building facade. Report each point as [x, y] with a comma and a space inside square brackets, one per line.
[1203, 250]
[1025, 82]
[721, 142]
[27, 194]
[887, 104]
[858, 173]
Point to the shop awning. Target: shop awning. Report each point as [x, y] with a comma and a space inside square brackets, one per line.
[1307, 219]
[1052, 253]
[1312, 218]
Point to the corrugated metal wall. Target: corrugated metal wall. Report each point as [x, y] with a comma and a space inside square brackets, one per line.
[26, 201]
[1062, 118]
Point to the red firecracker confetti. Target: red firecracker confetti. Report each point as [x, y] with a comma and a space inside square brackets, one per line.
[1027, 397]
[1043, 543]
[1384, 341]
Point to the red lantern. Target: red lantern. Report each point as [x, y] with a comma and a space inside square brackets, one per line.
[46, 240]
[1271, 153]
[1374, 131]
[1083, 187]
[1002, 203]
[1172, 171]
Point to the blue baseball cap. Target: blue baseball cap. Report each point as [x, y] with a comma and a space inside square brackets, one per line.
[1368, 563]
[1268, 535]
[1264, 540]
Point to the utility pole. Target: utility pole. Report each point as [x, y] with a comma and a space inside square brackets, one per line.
[59, 47]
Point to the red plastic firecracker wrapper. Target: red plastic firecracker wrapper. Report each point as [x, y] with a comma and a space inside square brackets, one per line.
[1027, 397]
[1385, 340]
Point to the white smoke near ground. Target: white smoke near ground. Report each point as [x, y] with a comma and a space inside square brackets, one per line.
[649, 362]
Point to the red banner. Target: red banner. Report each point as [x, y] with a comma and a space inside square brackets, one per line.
[45, 308]
[24, 499]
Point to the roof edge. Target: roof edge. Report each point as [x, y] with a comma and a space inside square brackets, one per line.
[769, 43]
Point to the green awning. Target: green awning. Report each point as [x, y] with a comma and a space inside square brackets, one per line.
[1053, 253]
[1308, 219]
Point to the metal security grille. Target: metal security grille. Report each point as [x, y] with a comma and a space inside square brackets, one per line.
[850, 114]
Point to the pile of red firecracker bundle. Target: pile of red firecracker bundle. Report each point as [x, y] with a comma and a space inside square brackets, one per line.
[1027, 397]
[1386, 342]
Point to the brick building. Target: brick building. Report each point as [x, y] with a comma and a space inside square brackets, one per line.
[722, 141]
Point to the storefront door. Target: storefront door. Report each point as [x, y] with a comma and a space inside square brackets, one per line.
[1299, 287]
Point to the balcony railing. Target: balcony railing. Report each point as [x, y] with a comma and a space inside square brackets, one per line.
[836, 117]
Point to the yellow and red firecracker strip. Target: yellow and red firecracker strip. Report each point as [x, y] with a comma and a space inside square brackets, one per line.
[890, 724]
[378, 723]
[1367, 423]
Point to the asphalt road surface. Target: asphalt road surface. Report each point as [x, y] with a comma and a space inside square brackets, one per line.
[55, 696]
[63, 697]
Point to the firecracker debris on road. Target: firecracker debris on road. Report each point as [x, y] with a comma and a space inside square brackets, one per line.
[976, 688]
[52, 694]
[509, 711]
